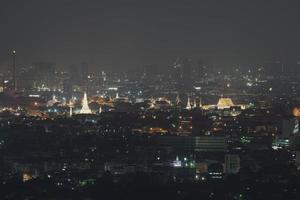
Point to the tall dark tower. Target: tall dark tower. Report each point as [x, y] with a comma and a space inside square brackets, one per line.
[14, 71]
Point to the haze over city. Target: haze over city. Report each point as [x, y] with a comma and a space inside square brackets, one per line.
[126, 34]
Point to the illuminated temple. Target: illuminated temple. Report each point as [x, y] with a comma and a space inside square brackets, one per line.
[225, 103]
[85, 107]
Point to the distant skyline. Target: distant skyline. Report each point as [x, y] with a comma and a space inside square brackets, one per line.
[124, 34]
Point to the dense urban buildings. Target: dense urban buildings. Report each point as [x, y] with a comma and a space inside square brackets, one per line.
[226, 130]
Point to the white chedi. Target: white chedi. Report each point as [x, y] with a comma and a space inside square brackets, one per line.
[85, 106]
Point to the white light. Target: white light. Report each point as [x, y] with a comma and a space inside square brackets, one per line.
[113, 88]
[34, 95]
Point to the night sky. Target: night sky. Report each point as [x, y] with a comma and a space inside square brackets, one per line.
[123, 34]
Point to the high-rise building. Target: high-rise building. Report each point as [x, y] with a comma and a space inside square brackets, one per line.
[14, 82]
[185, 125]
[182, 74]
[289, 127]
[40, 76]
[232, 164]
[187, 77]
[210, 143]
[297, 160]
[201, 69]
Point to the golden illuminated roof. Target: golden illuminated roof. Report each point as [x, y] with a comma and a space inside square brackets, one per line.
[296, 112]
[225, 103]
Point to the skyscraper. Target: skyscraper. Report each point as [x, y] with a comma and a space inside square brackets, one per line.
[232, 164]
[182, 74]
[14, 82]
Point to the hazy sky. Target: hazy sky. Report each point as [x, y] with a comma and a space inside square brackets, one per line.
[134, 33]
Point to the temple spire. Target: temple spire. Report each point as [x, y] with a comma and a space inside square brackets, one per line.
[195, 104]
[71, 105]
[188, 104]
[85, 107]
[178, 100]
[71, 112]
[152, 102]
[200, 103]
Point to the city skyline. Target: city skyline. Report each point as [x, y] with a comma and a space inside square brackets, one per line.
[136, 99]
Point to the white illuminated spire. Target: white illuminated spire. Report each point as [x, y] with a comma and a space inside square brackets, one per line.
[188, 104]
[85, 107]
[71, 105]
[195, 104]
[178, 100]
[71, 111]
[200, 103]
